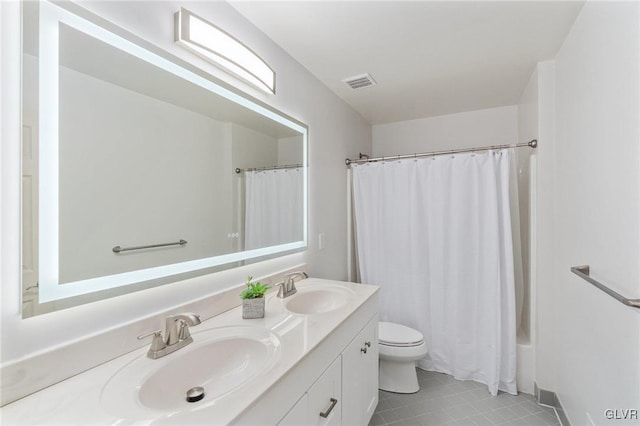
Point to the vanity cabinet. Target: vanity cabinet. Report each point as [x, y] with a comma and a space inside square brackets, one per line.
[322, 404]
[347, 391]
[325, 397]
[360, 376]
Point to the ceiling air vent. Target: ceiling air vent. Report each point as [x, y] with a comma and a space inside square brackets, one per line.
[359, 81]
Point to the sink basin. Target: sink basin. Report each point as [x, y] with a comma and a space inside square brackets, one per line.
[316, 300]
[220, 360]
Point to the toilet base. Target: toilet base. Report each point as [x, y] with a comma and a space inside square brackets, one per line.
[398, 377]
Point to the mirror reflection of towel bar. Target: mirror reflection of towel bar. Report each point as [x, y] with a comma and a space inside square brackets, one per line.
[118, 249]
[261, 169]
[583, 272]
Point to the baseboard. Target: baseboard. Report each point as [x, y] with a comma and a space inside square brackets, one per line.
[550, 399]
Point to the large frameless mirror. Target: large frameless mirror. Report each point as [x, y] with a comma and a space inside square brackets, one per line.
[139, 170]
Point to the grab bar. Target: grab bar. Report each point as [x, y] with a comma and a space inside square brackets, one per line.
[118, 249]
[583, 272]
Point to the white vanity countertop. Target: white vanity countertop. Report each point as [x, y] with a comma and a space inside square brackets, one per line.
[79, 400]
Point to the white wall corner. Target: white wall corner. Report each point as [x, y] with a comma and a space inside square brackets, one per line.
[544, 225]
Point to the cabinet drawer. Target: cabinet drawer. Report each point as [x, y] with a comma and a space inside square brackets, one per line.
[325, 397]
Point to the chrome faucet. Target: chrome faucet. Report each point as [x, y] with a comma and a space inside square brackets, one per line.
[288, 286]
[177, 335]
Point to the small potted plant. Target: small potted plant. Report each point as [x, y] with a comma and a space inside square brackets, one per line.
[253, 299]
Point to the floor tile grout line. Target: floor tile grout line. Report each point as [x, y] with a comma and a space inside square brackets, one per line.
[452, 395]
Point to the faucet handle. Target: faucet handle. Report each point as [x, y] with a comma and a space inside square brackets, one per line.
[188, 317]
[290, 282]
[292, 275]
[157, 343]
[174, 326]
[184, 333]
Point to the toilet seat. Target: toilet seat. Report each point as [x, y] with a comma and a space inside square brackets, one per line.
[397, 335]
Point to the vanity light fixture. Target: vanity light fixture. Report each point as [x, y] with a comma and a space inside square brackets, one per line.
[216, 46]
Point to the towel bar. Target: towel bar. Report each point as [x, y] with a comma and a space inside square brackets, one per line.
[118, 249]
[583, 272]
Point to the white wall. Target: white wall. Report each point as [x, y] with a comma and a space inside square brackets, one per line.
[253, 149]
[588, 349]
[335, 133]
[290, 150]
[484, 127]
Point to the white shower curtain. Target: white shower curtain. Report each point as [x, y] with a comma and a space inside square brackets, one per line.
[273, 207]
[435, 233]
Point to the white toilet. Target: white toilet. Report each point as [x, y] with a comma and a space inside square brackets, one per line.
[400, 348]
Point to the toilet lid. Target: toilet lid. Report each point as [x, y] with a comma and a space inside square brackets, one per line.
[398, 335]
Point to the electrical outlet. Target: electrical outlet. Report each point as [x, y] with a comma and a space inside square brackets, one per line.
[321, 241]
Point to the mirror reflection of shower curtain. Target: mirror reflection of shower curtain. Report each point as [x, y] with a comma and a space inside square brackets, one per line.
[273, 207]
[436, 235]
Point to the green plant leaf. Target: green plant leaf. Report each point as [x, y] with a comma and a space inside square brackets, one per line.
[253, 290]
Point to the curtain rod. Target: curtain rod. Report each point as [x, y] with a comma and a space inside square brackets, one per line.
[259, 169]
[532, 144]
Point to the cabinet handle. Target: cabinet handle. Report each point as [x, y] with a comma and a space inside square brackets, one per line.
[367, 344]
[330, 409]
[363, 350]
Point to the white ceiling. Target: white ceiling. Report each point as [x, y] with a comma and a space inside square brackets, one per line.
[428, 57]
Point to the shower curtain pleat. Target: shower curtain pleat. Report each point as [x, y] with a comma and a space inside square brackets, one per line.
[273, 207]
[435, 234]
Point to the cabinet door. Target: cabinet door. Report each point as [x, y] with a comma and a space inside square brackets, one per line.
[298, 415]
[360, 376]
[325, 397]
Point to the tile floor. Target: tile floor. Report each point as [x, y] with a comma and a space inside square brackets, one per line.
[443, 400]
